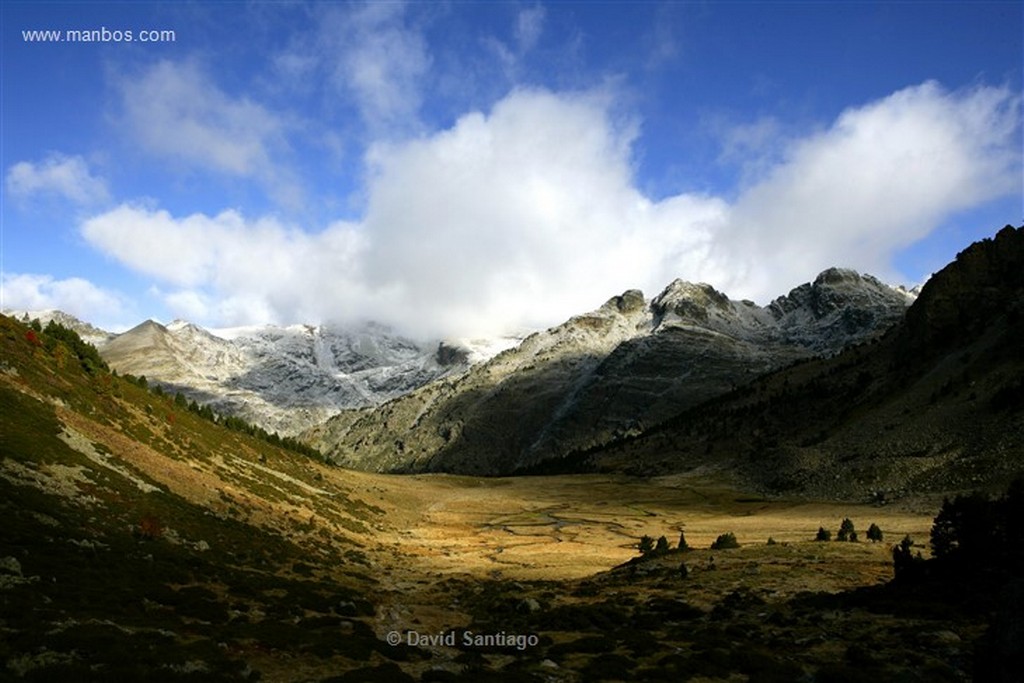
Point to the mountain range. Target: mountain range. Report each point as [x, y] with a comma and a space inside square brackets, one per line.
[630, 364]
[935, 404]
[687, 344]
[843, 387]
[283, 379]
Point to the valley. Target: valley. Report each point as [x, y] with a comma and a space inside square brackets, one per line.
[141, 540]
[572, 526]
[148, 537]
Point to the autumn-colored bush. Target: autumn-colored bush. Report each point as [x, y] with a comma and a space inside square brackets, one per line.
[150, 528]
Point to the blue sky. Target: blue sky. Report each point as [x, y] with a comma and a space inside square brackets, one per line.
[468, 168]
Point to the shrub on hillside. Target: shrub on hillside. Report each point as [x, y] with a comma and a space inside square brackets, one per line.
[905, 564]
[661, 547]
[725, 541]
[646, 545]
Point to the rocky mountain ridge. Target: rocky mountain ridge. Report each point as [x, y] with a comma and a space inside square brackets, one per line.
[625, 366]
[281, 378]
[936, 404]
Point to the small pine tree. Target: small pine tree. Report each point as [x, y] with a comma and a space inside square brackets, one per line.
[823, 534]
[683, 545]
[845, 529]
[771, 541]
[905, 563]
[661, 547]
[646, 545]
[874, 533]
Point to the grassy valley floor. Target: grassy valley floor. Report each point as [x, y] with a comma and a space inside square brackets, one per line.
[549, 557]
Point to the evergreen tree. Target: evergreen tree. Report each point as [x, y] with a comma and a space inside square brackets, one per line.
[874, 533]
[725, 541]
[646, 544]
[905, 565]
[845, 530]
[823, 534]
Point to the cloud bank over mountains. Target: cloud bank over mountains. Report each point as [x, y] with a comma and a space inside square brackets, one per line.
[467, 169]
[529, 212]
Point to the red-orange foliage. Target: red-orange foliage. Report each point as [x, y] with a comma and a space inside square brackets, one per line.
[150, 527]
[33, 338]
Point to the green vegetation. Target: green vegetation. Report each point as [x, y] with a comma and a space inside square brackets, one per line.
[974, 534]
[874, 533]
[847, 531]
[725, 542]
[108, 574]
[661, 547]
[646, 545]
[55, 334]
[62, 342]
[649, 548]
[905, 564]
[824, 535]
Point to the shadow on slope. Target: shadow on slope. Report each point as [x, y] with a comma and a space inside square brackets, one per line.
[934, 405]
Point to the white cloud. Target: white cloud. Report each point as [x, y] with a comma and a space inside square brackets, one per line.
[60, 175]
[530, 213]
[529, 26]
[880, 178]
[81, 298]
[526, 33]
[174, 110]
[527, 214]
[228, 269]
[379, 60]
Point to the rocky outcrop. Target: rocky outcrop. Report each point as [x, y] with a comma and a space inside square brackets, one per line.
[607, 374]
[839, 308]
[284, 379]
[984, 282]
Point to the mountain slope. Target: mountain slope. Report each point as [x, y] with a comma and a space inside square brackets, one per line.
[937, 404]
[598, 376]
[143, 542]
